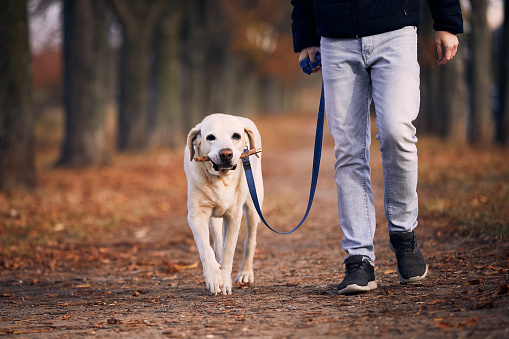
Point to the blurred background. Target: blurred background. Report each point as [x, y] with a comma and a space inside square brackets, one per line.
[101, 77]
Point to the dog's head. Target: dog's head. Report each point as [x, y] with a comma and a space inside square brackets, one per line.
[222, 138]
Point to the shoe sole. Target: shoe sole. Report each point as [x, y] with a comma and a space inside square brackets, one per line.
[356, 289]
[412, 279]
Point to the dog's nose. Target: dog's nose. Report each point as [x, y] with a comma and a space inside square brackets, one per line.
[226, 154]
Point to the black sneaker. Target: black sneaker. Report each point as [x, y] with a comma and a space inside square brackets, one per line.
[359, 278]
[411, 264]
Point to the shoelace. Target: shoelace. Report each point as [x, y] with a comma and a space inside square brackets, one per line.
[406, 245]
[355, 266]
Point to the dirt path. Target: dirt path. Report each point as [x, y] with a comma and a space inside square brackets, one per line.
[144, 280]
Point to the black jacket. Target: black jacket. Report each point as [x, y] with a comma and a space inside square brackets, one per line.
[312, 19]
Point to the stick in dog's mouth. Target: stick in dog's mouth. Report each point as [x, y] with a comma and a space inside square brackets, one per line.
[244, 155]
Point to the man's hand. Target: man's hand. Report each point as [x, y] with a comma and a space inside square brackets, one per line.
[447, 46]
[311, 53]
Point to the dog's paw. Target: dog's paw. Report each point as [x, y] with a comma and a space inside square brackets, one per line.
[227, 283]
[213, 278]
[245, 277]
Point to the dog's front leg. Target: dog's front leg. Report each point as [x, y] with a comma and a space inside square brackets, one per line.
[211, 269]
[231, 234]
[216, 227]
[246, 274]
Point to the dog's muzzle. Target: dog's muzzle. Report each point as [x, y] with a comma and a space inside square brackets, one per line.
[226, 157]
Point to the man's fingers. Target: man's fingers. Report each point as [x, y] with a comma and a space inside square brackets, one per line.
[447, 46]
[308, 52]
[439, 52]
[448, 52]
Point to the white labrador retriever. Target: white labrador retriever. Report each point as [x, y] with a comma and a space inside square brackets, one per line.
[218, 193]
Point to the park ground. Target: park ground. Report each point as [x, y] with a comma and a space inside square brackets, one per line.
[107, 252]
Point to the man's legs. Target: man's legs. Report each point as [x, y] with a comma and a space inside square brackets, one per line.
[395, 78]
[355, 70]
[347, 99]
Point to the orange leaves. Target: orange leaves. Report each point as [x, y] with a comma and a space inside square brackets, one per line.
[72, 204]
[449, 324]
[473, 282]
[465, 188]
[173, 268]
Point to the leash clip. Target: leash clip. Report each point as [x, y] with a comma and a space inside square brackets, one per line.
[245, 161]
[247, 164]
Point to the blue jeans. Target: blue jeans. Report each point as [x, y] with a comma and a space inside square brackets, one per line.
[382, 68]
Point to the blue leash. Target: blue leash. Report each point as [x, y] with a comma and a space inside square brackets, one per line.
[307, 67]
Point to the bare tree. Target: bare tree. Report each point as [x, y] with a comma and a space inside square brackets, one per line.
[481, 126]
[138, 19]
[17, 169]
[86, 56]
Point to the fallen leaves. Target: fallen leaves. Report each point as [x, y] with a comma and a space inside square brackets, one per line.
[74, 204]
[177, 267]
[114, 321]
[473, 282]
[122, 273]
[82, 286]
[491, 270]
[450, 324]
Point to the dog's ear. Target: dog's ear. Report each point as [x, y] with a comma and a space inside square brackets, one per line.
[191, 137]
[252, 139]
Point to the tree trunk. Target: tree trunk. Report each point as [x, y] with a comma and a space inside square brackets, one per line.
[165, 115]
[251, 93]
[481, 122]
[233, 83]
[195, 65]
[17, 168]
[86, 86]
[138, 19]
[452, 100]
[503, 121]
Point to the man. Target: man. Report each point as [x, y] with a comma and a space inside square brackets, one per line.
[369, 52]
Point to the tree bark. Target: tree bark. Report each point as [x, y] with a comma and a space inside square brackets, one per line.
[17, 168]
[86, 86]
[481, 128]
[138, 19]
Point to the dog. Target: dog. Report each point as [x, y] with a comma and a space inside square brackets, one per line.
[218, 196]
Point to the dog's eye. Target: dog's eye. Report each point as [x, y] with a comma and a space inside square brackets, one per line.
[236, 136]
[211, 137]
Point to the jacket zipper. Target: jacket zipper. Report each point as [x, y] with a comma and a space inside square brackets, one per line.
[403, 7]
[354, 14]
